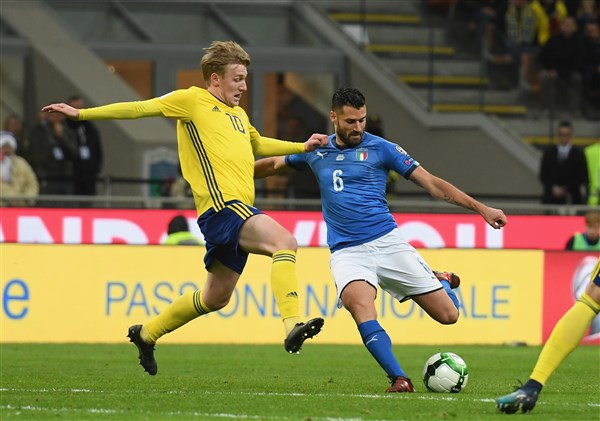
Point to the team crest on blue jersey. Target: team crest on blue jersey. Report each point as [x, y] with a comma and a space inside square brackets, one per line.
[362, 154]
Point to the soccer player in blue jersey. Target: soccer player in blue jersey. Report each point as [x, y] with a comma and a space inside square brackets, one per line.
[217, 144]
[565, 337]
[367, 249]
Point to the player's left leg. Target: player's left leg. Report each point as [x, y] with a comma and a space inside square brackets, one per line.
[403, 273]
[219, 286]
[450, 279]
[261, 234]
[438, 305]
[215, 295]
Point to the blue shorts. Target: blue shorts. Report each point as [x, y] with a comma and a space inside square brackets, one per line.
[221, 232]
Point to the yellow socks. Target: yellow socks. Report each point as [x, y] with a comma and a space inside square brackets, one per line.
[182, 310]
[290, 323]
[284, 285]
[565, 337]
[189, 306]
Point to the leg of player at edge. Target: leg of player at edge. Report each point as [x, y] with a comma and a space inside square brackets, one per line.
[566, 335]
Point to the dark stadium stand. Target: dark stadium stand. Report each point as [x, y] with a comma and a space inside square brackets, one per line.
[422, 75]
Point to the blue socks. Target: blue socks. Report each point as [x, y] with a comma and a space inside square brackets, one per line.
[379, 345]
[449, 291]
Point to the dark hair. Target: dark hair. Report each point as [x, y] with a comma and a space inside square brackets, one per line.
[565, 123]
[178, 224]
[347, 96]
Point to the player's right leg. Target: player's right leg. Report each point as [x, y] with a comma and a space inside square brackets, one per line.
[358, 297]
[219, 286]
[261, 234]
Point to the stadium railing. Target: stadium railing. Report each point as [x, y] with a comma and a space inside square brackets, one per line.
[398, 203]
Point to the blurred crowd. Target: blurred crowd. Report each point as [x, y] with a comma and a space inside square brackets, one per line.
[62, 157]
[548, 47]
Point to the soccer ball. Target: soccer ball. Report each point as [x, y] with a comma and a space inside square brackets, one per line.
[445, 372]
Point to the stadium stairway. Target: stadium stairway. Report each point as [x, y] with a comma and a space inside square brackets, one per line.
[446, 72]
[426, 57]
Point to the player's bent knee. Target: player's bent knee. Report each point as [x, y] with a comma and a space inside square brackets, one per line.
[449, 317]
[289, 242]
[217, 303]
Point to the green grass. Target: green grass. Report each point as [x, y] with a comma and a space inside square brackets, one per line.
[324, 382]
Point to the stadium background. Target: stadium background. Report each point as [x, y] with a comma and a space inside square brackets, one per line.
[516, 284]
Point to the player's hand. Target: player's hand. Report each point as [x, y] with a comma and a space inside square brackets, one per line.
[494, 217]
[65, 109]
[317, 140]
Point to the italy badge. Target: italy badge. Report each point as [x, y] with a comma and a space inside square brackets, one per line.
[361, 154]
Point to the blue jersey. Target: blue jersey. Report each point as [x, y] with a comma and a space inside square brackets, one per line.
[353, 183]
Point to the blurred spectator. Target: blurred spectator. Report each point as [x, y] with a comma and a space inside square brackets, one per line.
[521, 41]
[549, 15]
[488, 19]
[572, 6]
[587, 12]
[563, 170]
[53, 147]
[14, 124]
[590, 239]
[178, 233]
[16, 175]
[591, 67]
[87, 161]
[592, 155]
[561, 62]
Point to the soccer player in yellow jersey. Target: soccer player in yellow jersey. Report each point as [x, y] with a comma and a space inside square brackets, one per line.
[564, 338]
[217, 145]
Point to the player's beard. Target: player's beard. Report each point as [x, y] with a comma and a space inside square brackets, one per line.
[347, 140]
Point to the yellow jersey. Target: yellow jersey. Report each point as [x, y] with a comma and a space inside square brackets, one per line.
[216, 143]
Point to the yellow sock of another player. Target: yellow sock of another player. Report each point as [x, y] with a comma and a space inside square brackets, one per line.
[182, 310]
[284, 284]
[565, 337]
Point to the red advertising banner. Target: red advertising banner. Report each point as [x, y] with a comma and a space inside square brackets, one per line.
[126, 226]
[566, 276]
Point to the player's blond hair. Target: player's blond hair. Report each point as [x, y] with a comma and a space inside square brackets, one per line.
[219, 55]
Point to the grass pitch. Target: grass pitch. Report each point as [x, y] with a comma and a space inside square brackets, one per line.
[262, 382]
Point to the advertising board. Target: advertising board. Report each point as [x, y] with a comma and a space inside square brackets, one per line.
[92, 293]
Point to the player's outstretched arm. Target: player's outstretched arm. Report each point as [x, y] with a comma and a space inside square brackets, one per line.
[118, 110]
[62, 108]
[442, 189]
